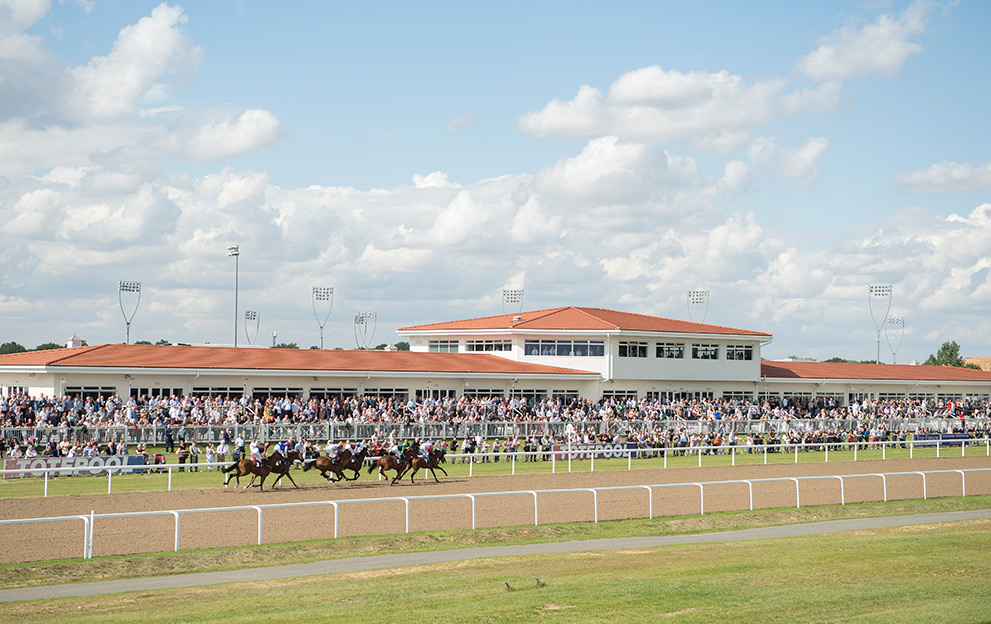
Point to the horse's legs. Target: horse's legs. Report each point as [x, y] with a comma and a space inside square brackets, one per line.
[290, 479]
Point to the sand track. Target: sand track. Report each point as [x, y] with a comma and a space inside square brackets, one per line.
[113, 536]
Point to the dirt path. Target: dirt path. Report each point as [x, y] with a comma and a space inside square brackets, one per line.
[240, 527]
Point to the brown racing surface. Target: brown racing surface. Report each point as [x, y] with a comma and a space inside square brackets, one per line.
[120, 536]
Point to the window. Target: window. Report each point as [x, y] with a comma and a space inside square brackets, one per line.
[739, 352]
[484, 392]
[92, 391]
[567, 348]
[670, 350]
[738, 395]
[488, 345]
[629, 348]
[443, 346]
[330, 393]
[705, 352]
[619, 394]
[401, 394]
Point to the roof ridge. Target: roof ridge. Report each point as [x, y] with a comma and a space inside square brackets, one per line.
[548, 312]
[586, 312]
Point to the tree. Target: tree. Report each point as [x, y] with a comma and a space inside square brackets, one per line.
[11, 347]
[949, 355]
[402, 346]
[45, 346]
[286, 345]
[145, 342]
[164, 342]
[380, 347]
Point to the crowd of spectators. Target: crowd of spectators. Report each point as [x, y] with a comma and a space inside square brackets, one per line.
[21, 410]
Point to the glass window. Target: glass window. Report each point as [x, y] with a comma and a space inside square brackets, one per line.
[705, 352]
[443, 346]
[670, 350]
[739, 352]
[632, 349]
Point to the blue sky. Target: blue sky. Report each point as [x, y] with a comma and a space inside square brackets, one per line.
[420, 158]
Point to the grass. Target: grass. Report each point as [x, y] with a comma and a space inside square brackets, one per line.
[146, 482]
[923, 573]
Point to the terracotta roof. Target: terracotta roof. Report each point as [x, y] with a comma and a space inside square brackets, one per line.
[888, 372]
[188, 357]
[575, 319]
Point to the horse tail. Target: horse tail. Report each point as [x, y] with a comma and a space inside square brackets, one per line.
[229, 468]
[371, 467]
[308, 463]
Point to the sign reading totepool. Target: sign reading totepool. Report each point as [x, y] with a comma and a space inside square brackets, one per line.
[58, 466]
[563, 452]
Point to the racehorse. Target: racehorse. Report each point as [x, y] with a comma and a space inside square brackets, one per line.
[390, 462]
[280, 465]
[273, 464]
[346, 461]
[433, 464]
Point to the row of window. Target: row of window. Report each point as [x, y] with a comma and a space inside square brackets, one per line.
[673, 350]
[597, 348]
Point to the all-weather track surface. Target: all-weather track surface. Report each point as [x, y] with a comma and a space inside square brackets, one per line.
[357, 564]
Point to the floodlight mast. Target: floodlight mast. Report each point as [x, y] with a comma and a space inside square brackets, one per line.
[894, 321]
[699, 297]
[234, 251]
[128, 287]
[251, 316]
[512, 296]
[322, 294]
[362, 335]
[879, 291]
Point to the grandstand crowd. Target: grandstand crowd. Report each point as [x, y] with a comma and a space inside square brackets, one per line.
[23, 410]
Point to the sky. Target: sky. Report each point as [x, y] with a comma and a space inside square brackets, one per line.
[420, 158]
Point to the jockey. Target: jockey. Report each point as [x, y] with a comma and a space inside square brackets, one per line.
[257, 453]
[335, 452]
[427, 449]
[395, 450]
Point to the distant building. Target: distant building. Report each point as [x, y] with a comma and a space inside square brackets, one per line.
[563, 352]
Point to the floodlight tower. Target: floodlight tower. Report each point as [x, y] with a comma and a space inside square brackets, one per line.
[362, 334]
[700, 299]
[128, 287]
[894, 322]
[514, 298]
[325, 295]
[882, 294]
[251, 316]
[234, 251]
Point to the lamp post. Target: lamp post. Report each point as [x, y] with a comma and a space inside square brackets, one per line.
[323, 294]
[251, 316]
[234, 252]
[892, 322]
[128, 287]
[883, 292]
[513, 297]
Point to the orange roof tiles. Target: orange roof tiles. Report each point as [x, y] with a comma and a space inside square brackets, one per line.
[582, 319]
[886, 372]
[189, 357]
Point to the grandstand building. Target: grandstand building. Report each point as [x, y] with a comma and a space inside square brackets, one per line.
[564, 352]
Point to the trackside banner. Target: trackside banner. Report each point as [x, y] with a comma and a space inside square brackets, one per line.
[59, 466]
[943, 439]
[562, 452]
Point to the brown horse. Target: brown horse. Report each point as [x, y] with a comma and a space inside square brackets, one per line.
[280, 465]
[390, 462]
[274, 464]
[346, 461]
[433, 464]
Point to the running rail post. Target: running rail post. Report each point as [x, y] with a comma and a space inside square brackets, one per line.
[536, 515]
[471, 464]
[406, 500]
[701, 498]
[86, 530]
[592, 457]
[751, 484]
[963, 482]
[629, 460]
[798, 499]
[259, 509]
[650, 502]
[472, 497]
[842, 491]
[924, 496]
[170, 479]
[110, 480]
[796, 453]
[92, 527]
[337, 515]
[665, 458]
[595, 505]
[176, 514]
[884, 485]
[46, 484]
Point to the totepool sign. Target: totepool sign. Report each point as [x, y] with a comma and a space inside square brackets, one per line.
[563, 452]
[58, 466]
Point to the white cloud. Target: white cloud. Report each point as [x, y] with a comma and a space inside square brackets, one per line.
[880, 48]
[712, 112]
[437, 179]
[252, 130]
[946, 176]
[821, 98]
[784, 162]
[461, 121]
[116, 84]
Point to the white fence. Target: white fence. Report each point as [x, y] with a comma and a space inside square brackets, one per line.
[89, 522]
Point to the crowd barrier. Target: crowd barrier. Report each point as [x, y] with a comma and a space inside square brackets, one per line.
[89, 522]
[323, 431]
